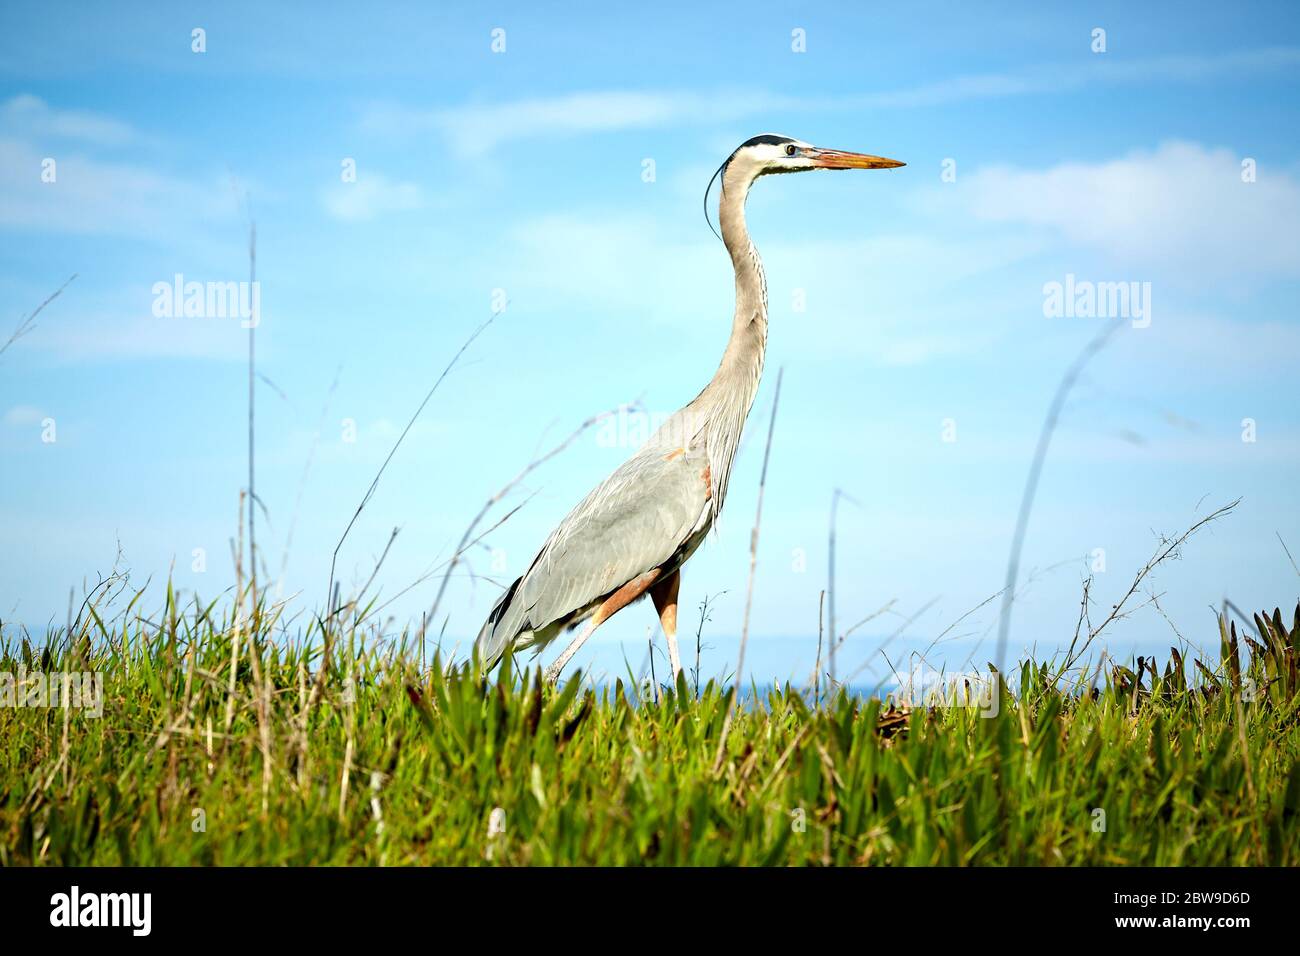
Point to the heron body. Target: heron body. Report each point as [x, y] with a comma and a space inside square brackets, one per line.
[631, 535]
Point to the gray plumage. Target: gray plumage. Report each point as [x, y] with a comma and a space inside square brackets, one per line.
[652, 513]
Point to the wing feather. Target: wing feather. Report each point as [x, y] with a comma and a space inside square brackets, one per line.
[636, 520]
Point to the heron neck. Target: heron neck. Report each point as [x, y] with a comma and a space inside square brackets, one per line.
[727, 398]
[751, 283]
[742, 362]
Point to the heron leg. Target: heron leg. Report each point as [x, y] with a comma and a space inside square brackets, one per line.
[664, 594]
[557, 665]
[611, 606]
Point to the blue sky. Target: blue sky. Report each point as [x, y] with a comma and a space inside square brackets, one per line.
[522, 171]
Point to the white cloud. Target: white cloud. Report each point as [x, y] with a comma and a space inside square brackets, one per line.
[24, 415]
[475, 129]
[32, 117]
[110, 335]
[92, 197]
[478, 128]
[372, 195]
[52, 179]
[1094, 71]
[1181, 207]
[1221, 349]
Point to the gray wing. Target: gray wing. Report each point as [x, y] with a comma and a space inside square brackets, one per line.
[636, 520]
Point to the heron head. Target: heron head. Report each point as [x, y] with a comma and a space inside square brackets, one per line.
[770, 153]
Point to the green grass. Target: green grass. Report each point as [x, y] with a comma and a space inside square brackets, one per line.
[371, 759]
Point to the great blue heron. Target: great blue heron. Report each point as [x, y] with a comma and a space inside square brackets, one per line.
[632, 534]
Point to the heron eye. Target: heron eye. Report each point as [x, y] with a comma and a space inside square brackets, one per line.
[790, 150]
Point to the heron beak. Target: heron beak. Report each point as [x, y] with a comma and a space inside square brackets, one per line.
[838, 159]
